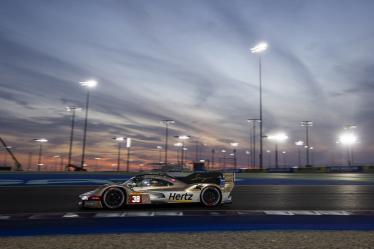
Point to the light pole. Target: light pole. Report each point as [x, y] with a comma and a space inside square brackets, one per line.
[253, 143]
[41, 141]
[248, 153]
[178, 145]
[307, 124]
[350, 127]
[128, 146]
[88, 85]
[166, 122]
[312, 155]
[159, 148]
[348, 139]
[183, 138]
[277, 138]
[257, 50]
[269, 157]
[284, 153]
[184, 154]
[299, 144]
[224, 159]
[119, 141]
[234, 146]
[72, 109]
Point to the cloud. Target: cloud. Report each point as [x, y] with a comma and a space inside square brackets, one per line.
[188, 61]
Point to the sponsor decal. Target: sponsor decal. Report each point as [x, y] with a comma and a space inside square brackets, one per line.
[180, 197]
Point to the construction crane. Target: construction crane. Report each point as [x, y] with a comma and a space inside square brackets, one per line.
[16, 162]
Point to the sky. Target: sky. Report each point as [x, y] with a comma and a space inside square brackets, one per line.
[189, 61]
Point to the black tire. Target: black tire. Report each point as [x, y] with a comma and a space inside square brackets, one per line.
[113, 198]
[211, 197]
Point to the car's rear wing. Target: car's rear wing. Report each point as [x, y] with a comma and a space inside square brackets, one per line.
[202, 177]
[229, 179]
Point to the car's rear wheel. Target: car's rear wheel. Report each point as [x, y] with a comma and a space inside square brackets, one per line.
[210, 196]
[113, 198]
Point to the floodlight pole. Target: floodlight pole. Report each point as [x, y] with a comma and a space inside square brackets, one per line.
[253, 138]
[235, 159]
[307, 124]
[128, 160]
[258, 49]
[73, 110]
[85, 128]
[276, 155]
[40, 155]
[119, 156]
[261, 120]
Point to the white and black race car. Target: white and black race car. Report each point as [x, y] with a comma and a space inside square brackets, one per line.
[208, 188]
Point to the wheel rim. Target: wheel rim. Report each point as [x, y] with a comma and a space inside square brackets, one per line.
[114, 198]
[211, 197]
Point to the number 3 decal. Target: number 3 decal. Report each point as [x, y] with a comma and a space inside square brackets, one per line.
[136, 199]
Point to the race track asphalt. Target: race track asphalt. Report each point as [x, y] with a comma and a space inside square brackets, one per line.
[24, 199]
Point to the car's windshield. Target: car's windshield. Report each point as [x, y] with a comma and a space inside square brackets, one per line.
[132, 181]
[146, 182]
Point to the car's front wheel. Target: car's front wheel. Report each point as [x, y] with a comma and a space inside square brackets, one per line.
[210, 196]
[113, 198]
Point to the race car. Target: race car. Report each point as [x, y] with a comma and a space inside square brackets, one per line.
[208, 188]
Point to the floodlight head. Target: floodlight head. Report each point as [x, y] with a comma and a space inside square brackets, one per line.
[159, 147]
[178, 144]
[119, 139]
[40, 140]
[299, 143]
[88, 83]
[347, 139]
[306, 123]
[223, 151]
[234, 144]
[253, 120]
[183, 137]
[262, 46]
[279, 137]
[72, 108]
[168, 121]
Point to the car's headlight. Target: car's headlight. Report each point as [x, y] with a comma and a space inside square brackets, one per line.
[84, 198]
